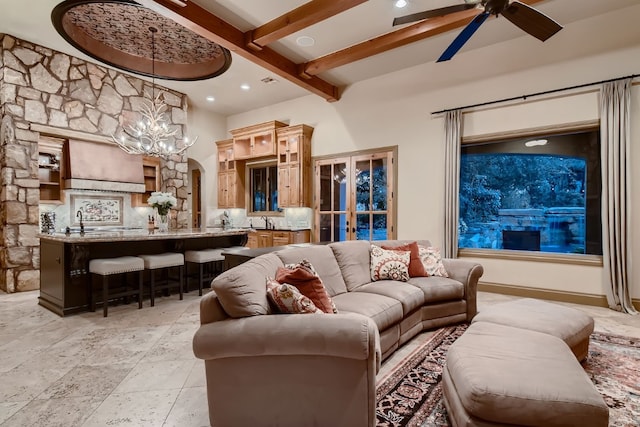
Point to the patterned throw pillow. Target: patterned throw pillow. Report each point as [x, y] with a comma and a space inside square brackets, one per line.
[288, 299]
[304, 277]
[389, 264]
[432, 261]
[416, 269]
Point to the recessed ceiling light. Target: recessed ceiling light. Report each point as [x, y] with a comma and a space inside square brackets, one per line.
[535, 142]
[305, 41]
[245, 86]
[400, 3]
[210, 98]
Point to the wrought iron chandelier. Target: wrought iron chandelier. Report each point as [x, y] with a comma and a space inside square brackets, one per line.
[152, 135]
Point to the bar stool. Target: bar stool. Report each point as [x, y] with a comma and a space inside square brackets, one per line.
[163, 263]
[107, 267]
[209, 263]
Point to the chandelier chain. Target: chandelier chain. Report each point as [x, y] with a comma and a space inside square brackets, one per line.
[152, 135]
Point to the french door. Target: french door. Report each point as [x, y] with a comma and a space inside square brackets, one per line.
[354, 197]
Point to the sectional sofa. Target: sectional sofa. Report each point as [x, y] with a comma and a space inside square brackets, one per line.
[266, 369]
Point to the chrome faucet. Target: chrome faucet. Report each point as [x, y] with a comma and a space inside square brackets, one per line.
[79, 215]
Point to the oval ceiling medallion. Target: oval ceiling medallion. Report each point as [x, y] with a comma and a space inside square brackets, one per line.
[119, 33]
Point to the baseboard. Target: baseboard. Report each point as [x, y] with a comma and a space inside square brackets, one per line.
[549, 294]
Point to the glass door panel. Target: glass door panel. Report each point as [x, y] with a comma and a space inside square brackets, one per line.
[354, 197]
[332, 200]
[380, 229]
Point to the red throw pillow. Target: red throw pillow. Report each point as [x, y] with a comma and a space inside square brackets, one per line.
[309, 285]
[416, 268]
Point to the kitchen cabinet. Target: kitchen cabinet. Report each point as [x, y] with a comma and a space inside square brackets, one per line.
[230, 177]
[256, 141]
[265, 238]
[51, 169]
[151, 174]
[269, 238]
[294, 166]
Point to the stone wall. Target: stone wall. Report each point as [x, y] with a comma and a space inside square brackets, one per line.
[41, 86]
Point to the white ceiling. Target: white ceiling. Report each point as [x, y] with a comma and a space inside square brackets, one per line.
[30, 20]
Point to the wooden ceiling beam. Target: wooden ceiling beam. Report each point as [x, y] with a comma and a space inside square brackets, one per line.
[211, 27]
[415, 32]
[295, 20]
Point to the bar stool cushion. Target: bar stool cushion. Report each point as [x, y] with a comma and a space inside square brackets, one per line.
[203, 256]
[108, 266]
[169, 259]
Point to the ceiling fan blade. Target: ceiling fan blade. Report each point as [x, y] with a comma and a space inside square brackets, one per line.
[433, 13]
[463, 37]
[531, 20]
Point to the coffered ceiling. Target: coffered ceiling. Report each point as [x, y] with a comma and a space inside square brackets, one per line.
[353, 41]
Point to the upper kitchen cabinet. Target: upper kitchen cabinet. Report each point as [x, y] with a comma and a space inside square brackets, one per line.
[51, 169]
[230, 177]
[294, 166]
[256, 141]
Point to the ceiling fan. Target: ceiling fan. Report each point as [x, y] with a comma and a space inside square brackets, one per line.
[523, 16]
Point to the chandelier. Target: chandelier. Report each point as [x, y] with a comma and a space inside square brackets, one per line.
[152, 134]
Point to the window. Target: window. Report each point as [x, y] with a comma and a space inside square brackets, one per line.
[263, 181]
[532, 194]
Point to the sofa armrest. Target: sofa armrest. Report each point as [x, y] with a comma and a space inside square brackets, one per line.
[341, 335]
[210, 309]
[468, 273]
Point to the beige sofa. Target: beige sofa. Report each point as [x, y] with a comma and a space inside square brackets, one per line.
[264, 369]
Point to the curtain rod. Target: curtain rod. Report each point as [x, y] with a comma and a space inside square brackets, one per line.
[546, 92]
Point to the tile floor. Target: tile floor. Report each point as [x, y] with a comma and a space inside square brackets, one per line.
[134, 368]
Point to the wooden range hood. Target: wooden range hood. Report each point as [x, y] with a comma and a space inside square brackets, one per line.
[103, 167]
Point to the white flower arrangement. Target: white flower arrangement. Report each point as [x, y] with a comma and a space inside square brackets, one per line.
[162, 202]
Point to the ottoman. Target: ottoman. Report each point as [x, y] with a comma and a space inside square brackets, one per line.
[572, 326]
[498, 375]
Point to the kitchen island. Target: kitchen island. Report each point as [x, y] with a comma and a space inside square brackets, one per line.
[64, 258]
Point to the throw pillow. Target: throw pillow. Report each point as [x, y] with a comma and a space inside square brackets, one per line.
[389, 264]
[432, 261]
[416, 269]
[304, 277]
[287, 299]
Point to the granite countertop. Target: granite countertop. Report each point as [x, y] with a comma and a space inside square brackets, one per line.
[106, 235]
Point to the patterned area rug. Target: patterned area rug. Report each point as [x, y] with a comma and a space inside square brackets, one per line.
[411, 395]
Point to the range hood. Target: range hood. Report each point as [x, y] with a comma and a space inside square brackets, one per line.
[102, 166]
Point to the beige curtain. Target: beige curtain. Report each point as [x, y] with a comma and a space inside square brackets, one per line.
[452, 134]
[615, 130]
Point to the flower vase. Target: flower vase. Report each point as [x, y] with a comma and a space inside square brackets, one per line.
[163, 222]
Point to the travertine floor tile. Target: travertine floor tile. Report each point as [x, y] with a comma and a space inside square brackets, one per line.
[139, 409]
[135, 367]
[55, 412]
[187, 410]
[156, 376]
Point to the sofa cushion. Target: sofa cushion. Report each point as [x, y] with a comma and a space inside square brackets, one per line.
[288, 299]
[304, 277]
[411, 297]
[432, 261]
[389, 264]
[384, 311]
[353, 258]
[242, 291]
[325, 264]
[416, 268]
[437, 288]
